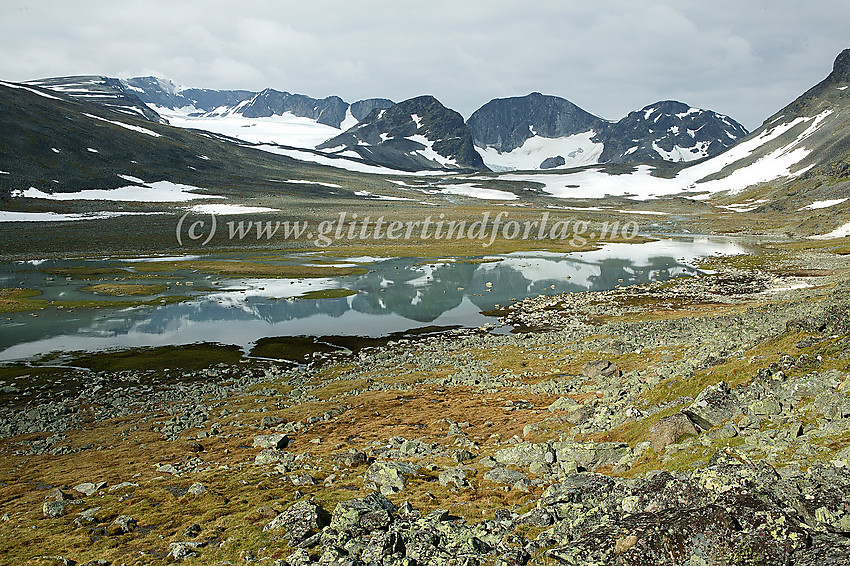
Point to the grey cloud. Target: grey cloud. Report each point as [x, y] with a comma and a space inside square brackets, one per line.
[746, 59]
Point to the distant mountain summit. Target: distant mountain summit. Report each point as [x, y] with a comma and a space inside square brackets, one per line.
[419, 133]
[505, 124]
[164, 93]
[669, 130]
[331, 111]
[541, 132]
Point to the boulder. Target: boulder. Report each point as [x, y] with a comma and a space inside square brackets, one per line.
[273, 441]
[669, 430]
[564, 404]
[389, 477]
[504, 475]
[299, 521]
[603, 368]
[714, 405]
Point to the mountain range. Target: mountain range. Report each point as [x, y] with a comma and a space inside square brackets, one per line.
[111, 127]
[531, 132]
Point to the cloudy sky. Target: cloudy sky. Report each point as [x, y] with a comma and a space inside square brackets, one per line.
[746, 59]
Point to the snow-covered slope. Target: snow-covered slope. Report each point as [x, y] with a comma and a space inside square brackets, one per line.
[775, 151]
[286, 129]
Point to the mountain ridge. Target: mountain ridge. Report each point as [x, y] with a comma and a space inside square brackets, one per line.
[415, 134]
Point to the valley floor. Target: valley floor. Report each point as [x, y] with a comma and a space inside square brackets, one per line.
[698, 421]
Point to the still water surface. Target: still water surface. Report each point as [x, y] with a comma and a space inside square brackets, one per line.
[396, 295]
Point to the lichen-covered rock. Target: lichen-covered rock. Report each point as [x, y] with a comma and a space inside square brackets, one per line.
[275, 441]
[524, 454]
[714, 405]
[299, 521]
[389, 477]
[504, 475]
[589, 455]
[669, 430]
[361, 516]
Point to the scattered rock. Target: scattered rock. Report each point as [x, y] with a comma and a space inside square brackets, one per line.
[90, 489]
[273, 441]
[196, 489]
[123, 524]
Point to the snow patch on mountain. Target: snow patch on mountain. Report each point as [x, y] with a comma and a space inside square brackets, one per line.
[818, 204]
[429, 153]
[160, 191]
[127, 126]
[470, 190]
[577, 150]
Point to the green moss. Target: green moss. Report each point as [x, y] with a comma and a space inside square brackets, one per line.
[250, 269]
[327, 294]
[124, 289]
[292, 348]
[191, 357]
[20, 300]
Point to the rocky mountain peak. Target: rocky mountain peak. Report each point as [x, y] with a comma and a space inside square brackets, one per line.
[841, 68]
[418, 133]
[507, 123]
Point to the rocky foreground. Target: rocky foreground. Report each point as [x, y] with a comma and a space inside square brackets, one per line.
[701, 421]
